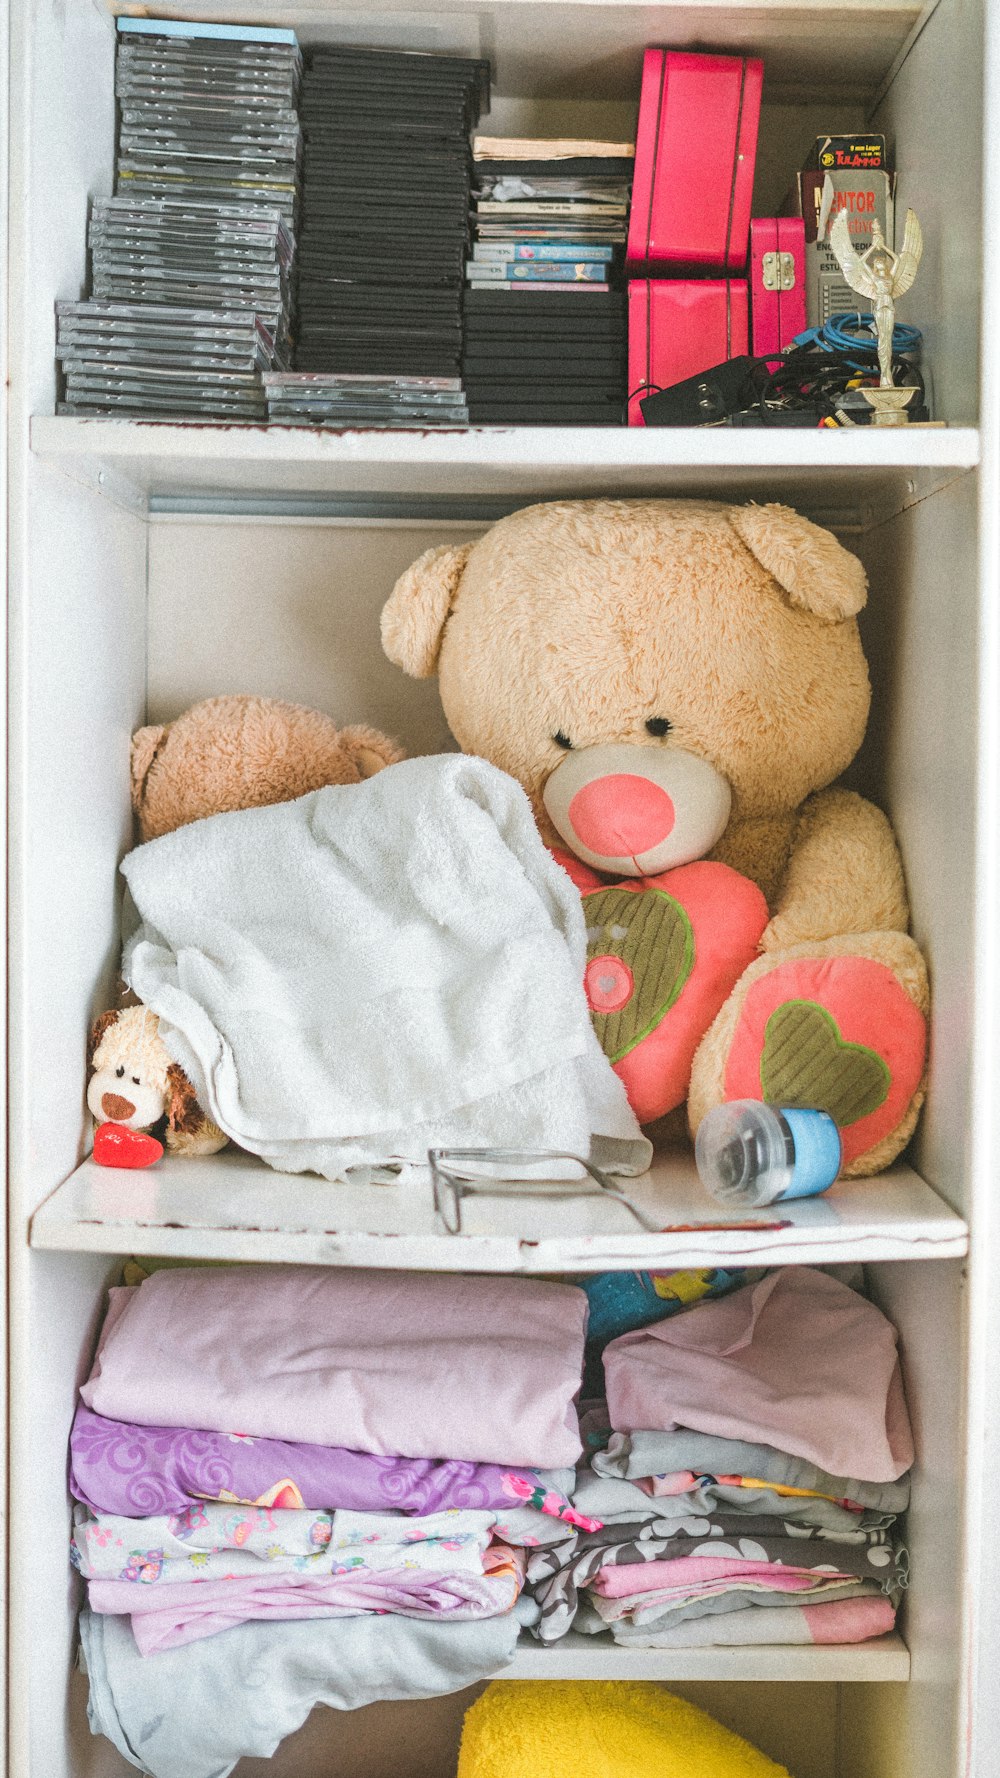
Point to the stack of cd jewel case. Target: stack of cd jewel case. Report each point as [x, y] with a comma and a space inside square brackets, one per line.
[192, 259]
[156, 362]
[385, 210]
[333, 399]
[208, 111]
[189, 252]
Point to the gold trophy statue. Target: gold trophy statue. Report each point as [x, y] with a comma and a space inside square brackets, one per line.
[880, 276]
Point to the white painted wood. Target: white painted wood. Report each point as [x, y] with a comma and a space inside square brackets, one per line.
[231, 1206]
[288, 608]
[536, 461]
[595, 1657]
[920, 106]
[79, 661]
[919, 762]
[551, 48]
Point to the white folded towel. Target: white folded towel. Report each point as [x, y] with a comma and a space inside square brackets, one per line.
[375, 970]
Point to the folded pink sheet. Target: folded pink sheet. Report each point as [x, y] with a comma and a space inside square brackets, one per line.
[797, 1361]
[684, 1571]
[196, 1609]
[835, 1620]
[402, 1364]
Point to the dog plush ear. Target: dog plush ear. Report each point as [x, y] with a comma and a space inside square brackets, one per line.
[416, 611]
[101, 1024]
[816, 572]
[183, 1110]
[146, 743]
[370, 750]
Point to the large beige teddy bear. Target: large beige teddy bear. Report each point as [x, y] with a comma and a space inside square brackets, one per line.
[676, 684]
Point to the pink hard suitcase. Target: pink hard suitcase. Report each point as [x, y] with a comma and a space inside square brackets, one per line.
[677, 327]
[777, 281]
[696, 145]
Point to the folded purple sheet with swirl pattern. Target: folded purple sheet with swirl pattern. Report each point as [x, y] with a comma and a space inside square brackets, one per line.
[143, 1470]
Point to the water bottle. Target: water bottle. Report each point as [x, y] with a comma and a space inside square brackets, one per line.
[750, 1153]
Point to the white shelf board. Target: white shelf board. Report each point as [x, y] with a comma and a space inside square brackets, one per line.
[548, 48]
[231, 1206]
[155, 458]
[597, 1657]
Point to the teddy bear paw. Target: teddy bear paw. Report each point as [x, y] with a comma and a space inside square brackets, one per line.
[840, 1026]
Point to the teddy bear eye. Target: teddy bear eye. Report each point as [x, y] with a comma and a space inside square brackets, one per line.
[658, 725]
[562, 740]
[119, 1072]
[135, 1080]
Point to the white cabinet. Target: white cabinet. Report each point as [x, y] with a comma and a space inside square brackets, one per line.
[151, 565]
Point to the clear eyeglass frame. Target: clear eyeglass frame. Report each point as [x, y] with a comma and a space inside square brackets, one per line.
[454, 1177]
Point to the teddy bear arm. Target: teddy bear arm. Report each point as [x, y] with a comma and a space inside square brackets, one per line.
[759, 849]
[844, 875]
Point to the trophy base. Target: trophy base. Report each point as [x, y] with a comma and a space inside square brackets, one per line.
[890, 405]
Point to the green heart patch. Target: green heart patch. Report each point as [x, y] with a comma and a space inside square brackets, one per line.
[653, 936]
[806, 1063]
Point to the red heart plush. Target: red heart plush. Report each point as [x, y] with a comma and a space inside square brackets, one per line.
[115, 1145]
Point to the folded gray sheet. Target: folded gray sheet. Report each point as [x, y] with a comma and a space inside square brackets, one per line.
[192, 1712]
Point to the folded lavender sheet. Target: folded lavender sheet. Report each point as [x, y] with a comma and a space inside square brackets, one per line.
[117, 1467]
[483, 1370]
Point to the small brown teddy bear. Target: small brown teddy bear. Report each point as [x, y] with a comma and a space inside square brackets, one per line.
[244, 753]
[135, 1084]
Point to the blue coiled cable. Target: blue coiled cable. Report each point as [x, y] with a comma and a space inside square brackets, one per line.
[846, 333]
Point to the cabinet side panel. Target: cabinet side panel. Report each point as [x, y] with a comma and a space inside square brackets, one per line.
[919, 764]
[914, 1731]
[77, 690]
[933, 113]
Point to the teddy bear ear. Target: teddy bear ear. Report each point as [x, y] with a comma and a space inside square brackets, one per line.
[370, 750]
[816, 572]
[146, 743]
[101, 1024]
[416, 611]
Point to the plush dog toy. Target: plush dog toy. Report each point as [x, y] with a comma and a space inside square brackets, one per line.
[134, 1085]
[675, 684]
[244, 753]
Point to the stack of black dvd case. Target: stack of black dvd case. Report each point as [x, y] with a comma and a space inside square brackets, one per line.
[545, 329]
[385, 211]
[208, 111]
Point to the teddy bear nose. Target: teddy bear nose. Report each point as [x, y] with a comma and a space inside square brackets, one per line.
[116, 1108]
[622, 814]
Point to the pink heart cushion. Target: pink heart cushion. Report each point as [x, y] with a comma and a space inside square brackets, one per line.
[663, 955]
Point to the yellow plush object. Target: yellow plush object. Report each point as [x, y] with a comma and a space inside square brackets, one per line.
[599, 1729]
[244, 753]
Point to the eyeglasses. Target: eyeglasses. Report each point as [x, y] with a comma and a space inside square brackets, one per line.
[459, 1173]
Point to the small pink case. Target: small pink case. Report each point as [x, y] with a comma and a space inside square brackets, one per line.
[777, 281]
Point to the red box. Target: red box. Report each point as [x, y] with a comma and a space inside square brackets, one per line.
[695, 150]
[777, 281]
[677, 327]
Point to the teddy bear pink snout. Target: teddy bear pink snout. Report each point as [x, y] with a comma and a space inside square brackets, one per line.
[622, 813]
[636, 810]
